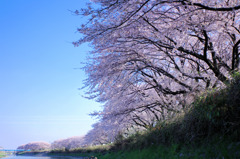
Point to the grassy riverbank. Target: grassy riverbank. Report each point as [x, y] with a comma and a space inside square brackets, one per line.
[223, 148]
[209, 128]
[216, 149]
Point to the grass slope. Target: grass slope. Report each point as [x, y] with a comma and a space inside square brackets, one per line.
[223, 149]
[210, 128]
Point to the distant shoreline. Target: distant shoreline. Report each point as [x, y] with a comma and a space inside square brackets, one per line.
[52, 154]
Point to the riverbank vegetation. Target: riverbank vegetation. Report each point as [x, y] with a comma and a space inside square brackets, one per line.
[209, 128]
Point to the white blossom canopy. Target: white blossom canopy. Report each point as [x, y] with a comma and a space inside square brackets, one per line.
[151, 56]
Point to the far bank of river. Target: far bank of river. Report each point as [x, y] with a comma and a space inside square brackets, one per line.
[47, 155]
[42, 157]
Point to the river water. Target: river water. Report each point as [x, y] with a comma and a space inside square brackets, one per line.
[36, 157]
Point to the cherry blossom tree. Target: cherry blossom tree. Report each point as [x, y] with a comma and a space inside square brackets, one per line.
[151, 56]
[69, 143]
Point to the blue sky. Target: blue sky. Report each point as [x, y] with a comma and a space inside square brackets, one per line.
[39, 96]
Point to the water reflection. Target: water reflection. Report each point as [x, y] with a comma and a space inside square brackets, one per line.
[30, 157]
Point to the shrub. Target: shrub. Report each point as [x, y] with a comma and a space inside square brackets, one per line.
[214, 113]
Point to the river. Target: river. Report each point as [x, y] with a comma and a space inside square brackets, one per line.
[40, 157]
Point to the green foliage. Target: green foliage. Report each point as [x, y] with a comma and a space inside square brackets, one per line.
[95, 149]
[212, 149]
[209, 129]
[215, 113]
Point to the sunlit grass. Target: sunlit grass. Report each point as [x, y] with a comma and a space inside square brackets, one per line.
[175, 151]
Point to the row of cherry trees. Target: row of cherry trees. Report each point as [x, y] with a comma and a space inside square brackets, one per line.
[150, 57]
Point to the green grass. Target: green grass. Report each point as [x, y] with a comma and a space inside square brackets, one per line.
[213, 149]
[210, 128]
[2, 154]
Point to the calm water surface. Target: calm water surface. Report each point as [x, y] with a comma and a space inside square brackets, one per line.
[30, 157]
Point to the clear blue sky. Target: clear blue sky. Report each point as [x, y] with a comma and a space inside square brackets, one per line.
[39, 96]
